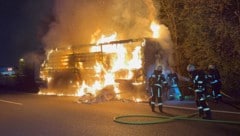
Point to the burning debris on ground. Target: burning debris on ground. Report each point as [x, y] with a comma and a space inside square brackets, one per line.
[106, 94]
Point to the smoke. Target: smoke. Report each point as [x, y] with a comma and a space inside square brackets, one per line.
[167, 45]
[80, 21]
[77, 20]
[33, 60]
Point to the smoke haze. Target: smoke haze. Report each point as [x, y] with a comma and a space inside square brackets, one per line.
[77, 20]
[80, 21]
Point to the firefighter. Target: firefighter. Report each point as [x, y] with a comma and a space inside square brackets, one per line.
[215, 82]
[199, 80]
[174, 91]
[156, 83]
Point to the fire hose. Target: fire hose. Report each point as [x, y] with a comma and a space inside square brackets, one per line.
[140, 119]
[125, 119]
[231, 98]
[227, 96]
[153, 119]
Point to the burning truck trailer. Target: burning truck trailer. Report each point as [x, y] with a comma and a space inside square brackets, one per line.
[103, 71]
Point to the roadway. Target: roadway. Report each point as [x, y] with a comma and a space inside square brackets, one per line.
[37, 115]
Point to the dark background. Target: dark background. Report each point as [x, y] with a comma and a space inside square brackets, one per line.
[22, 25]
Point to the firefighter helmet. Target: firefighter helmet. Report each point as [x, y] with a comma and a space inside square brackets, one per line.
[159, 68]
[190, 67]
[211, 66]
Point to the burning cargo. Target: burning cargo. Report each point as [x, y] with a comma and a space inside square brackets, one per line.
[122, 67]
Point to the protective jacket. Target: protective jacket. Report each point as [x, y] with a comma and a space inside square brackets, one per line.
[199, 79]
[156, 82]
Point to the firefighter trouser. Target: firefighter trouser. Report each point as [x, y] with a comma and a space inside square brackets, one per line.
[203, 108]
[156, 93]
[216, 87]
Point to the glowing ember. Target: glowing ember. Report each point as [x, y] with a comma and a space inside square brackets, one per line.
[49, 79]
[138, 100]
[87, 89]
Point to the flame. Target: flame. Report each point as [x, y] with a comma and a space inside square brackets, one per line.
[104, 38]
[137, 99]
[98, 68]
[120, 62]
[155, 29]
[87, 89]
[136, 62]
[49, 79]
[125, 60]
[111, 48]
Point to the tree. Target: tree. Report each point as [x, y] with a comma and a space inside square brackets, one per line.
[205, 32]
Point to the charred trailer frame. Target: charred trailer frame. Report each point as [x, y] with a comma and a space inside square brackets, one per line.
[67, 68]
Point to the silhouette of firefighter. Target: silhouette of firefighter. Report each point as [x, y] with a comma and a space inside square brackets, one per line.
[156, 83]
[199, 79]
[215, 82]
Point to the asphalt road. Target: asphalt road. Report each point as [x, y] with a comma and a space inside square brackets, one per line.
[34, 115]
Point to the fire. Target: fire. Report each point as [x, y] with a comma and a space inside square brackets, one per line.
[109, 79]
[88, 89]
[155, 29]
[117, 62]
[49, 79]
[135, 62]
[104, 38]
[137, 99]
[106, 48]
[120, 63]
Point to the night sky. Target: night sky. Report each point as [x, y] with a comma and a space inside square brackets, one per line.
[22, 26]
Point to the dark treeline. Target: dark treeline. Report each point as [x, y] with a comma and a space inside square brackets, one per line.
[205, 32]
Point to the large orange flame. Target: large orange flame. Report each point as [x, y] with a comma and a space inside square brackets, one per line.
[120, 60]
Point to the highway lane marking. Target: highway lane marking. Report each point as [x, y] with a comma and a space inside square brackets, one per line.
[11, 102]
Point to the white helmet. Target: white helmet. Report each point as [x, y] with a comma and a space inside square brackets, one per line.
[190, 67]
[211, 66]
[159, 68]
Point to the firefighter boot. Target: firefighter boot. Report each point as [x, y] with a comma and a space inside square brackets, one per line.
[200, 112]
[219, 97]
[153, 107]
[216, 100]
[208, 115]
[160, 108]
